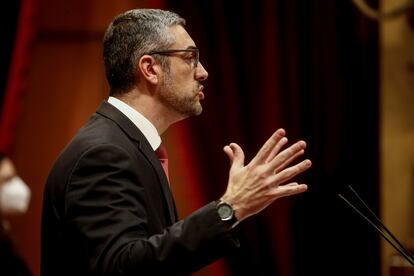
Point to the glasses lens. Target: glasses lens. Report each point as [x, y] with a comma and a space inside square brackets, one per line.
[195, 55]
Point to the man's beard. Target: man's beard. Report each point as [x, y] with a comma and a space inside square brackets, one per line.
[170, 95]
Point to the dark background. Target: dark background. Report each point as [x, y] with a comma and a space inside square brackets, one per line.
[312, 68]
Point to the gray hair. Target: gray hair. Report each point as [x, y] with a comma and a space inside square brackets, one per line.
[130, 36]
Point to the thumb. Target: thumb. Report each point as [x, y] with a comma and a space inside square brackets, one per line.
[235, 154]
[227, 150]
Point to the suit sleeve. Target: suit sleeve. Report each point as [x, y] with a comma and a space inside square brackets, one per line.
[107, 206]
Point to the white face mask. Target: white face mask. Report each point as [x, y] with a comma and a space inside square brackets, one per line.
[14, 196]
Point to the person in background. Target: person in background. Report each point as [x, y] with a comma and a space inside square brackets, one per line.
[107, 204]
[14, 200]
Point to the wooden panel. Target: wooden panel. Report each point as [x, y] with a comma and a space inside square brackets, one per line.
[397, 133]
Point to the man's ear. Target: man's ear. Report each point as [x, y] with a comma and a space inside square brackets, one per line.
[149, 69]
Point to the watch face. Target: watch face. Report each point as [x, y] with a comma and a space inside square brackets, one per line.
[225, 211]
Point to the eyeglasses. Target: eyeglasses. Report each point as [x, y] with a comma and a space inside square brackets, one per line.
[195, 57]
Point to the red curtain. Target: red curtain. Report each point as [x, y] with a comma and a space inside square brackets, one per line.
[244, 96]
[19, 62]
[310, 67]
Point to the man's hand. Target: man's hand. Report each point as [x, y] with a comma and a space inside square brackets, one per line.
[254, 186]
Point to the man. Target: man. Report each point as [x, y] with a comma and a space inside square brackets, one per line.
[14, 200]
[108, 209]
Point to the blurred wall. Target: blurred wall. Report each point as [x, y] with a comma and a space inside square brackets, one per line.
[397, 128]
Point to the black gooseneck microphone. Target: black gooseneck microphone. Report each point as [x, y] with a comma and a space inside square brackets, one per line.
[365, 212]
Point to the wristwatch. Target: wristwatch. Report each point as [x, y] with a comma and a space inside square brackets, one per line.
[226, 213]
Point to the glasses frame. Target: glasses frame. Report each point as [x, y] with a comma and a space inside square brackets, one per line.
[173, 51]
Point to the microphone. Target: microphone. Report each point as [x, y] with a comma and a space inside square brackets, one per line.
[365, 212]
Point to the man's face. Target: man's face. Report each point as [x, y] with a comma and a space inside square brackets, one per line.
[181, 89]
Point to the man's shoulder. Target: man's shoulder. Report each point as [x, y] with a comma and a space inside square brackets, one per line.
[98, 132]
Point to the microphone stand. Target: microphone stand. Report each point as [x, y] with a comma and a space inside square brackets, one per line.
[378, 225]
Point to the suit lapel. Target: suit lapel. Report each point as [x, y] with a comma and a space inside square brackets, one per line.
[109, 111]
[155, 162]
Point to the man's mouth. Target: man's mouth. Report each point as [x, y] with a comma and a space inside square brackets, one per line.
[200, 92]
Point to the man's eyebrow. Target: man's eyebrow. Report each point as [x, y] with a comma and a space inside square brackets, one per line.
[192, 47]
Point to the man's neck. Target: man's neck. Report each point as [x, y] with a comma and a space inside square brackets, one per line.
[150, 108]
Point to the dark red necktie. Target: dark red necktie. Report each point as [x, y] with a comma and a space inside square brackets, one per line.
[163, 157]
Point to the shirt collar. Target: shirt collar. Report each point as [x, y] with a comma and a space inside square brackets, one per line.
[142, 123]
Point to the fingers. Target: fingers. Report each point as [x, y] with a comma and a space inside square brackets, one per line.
[277, 148]
[289, 173]
[288, 190]
[235, 154]
[268, 147]
[253, 187]
[287, 156]
[270, 152]
[227, 150]
[288, 161]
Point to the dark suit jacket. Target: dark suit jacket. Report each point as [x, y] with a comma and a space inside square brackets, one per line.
[108, 209]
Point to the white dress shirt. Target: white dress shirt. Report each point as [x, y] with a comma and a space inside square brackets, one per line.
[142, 123]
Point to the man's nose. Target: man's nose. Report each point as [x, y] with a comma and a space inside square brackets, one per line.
[201, 74]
